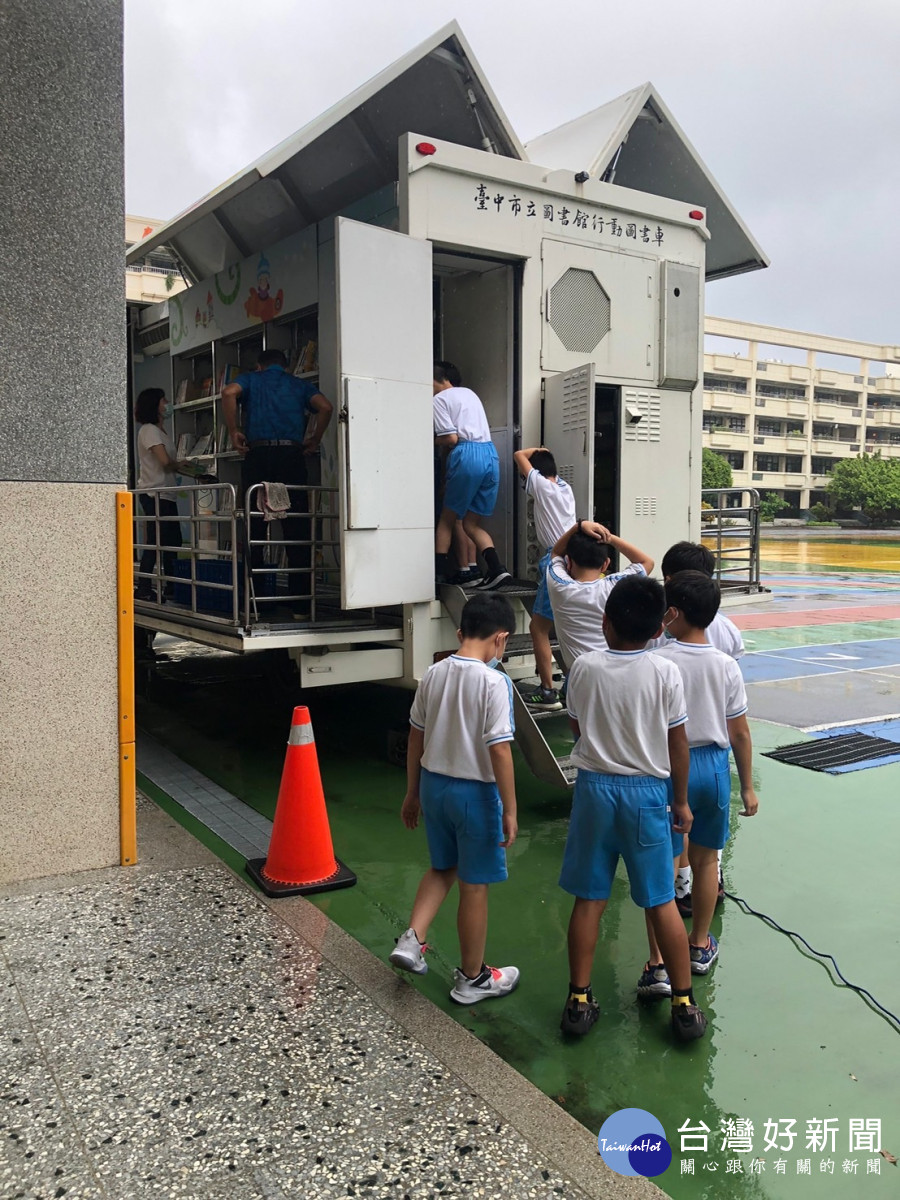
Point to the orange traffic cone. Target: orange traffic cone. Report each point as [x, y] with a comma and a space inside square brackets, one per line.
[301, 856]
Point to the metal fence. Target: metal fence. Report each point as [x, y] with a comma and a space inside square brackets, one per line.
[730, 527]
[227, 571]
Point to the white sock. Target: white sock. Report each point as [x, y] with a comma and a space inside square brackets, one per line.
[682, 882]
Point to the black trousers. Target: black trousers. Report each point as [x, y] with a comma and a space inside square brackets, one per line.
[169, 535]
[281, 464]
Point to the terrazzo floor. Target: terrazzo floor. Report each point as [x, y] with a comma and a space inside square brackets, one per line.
[164, 1034]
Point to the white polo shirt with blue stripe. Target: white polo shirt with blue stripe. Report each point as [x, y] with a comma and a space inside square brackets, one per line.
[713, 690]
[578, 607]
[464, 707]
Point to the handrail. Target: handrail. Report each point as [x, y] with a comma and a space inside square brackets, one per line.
[317, 513]
[736, 565]
[215, 505]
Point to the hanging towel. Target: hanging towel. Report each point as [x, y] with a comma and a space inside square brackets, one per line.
[273, 501]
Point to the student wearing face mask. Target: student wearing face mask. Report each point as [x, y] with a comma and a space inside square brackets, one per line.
[460, 778]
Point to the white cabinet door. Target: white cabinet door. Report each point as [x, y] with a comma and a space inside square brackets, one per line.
[384, 336]
[602, 305]
[569, 431]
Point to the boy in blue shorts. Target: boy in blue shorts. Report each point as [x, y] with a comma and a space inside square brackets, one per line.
[716, 702]
[554, 513]
[725, 636]
[473, 473]
[628, 708]
[460, 777]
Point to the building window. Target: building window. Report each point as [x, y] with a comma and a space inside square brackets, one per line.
[766, 462]
[768, 428]
[716, 423]
[824, 431]
[793, 463]
[712, 383]
[821, 466]
[780, 391]
[735, 459]
[830, 396]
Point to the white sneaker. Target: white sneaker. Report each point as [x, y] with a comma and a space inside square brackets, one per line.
[408, 954]
[493, 981]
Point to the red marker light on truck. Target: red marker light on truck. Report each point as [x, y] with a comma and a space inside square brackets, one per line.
[426, 148]
[695, 214]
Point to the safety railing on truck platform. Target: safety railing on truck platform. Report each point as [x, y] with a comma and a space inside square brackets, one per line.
[228, 570]
[730, 528]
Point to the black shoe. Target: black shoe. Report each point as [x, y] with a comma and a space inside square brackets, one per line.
[493, 581]
[688, 1022]
[579, 1016]
[685, 906]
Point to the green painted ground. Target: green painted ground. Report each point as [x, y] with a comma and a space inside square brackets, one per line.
[784, 1042]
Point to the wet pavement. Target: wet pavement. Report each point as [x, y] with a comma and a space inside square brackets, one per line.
[786, 1041]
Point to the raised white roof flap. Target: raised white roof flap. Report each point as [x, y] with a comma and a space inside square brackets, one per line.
[635, 142]
[347, 153]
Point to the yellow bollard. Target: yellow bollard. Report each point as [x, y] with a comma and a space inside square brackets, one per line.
[125, 629]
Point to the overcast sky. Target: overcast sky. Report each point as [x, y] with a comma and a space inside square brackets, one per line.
[794, 105]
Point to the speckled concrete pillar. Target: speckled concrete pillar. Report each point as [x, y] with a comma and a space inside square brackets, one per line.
[62, 415]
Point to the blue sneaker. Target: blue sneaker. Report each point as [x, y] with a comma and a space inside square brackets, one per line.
[654, 982]
[703, 959]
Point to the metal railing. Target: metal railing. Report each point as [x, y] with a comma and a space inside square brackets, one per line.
[210, 507]
[318, 509]
[226, 573]
[731, 530]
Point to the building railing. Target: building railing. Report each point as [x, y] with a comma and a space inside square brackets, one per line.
[227, 571]
[141, 268]
[731, 530]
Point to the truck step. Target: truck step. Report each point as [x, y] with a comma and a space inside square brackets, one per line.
[567, 767]
[520, 643]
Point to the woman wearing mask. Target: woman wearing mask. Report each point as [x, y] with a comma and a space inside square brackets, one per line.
[156, 469]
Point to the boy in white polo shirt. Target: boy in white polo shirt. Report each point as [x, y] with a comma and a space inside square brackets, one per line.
[725, 636]
[716, 703]
[554, 513]
[460, 776]
[579, 586]
[472, 478]
[628, 709]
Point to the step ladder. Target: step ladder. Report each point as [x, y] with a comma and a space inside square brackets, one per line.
[543, 763]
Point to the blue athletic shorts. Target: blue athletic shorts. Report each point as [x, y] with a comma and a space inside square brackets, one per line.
[542, 606]
[473, 478]
[464, 827]
[615, 815]
[709, 798]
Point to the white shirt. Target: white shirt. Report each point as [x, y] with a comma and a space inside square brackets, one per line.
[725, 636]
[578, 607]
[625, 703]
[554, 506]
[458, 410]
[464, 707]
[713, 690]
[152, 473]
[721, 633]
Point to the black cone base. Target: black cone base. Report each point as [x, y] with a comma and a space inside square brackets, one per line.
[342, 878]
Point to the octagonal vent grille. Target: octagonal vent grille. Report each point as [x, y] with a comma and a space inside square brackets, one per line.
[578, 310]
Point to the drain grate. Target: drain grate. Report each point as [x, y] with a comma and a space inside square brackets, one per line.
[824, 754]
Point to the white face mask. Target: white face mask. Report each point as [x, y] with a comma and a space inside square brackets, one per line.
[666, 634]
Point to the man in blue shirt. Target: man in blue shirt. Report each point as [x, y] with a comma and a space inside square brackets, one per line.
[276, 441]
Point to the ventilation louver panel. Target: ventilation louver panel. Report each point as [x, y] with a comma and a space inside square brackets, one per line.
[578, 311]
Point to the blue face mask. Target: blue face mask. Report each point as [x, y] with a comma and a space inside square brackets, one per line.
[493, 662]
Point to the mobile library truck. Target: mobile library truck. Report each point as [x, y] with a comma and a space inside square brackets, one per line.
[565, 279]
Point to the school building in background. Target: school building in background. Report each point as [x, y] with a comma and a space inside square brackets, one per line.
[781, 425]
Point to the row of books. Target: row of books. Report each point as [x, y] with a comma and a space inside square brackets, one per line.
[191, 446]
[193, 389]
[306, 358]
